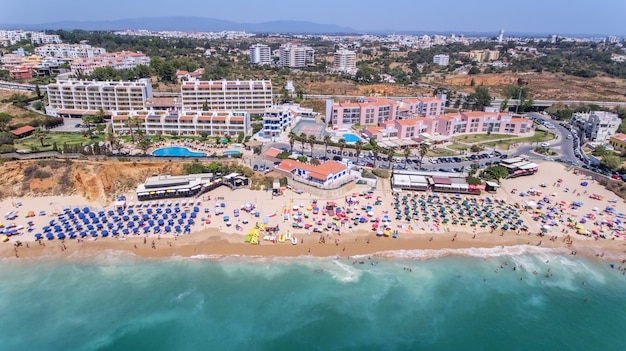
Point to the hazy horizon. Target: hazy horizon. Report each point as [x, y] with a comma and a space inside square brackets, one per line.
[486, 16]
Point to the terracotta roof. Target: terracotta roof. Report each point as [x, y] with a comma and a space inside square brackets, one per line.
[619, 136]
[22, 130]
[272, 152]
[321, 171]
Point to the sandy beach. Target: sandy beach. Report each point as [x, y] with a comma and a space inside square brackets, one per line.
[545, 208]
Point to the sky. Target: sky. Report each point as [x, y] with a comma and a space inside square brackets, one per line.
[527, 16]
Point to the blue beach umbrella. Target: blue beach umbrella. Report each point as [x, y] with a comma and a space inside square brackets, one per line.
[71, 235]
[95, 220]
[110, 225]
[196, 209]
[83, 234]
[120, 224]
[85, 209]
[104, 233]
[125, 231]
[110, 212]
[170, 222]
[151, 223]
[125, 218]
[159, 210]
[135, 217]
[146, 229]
[145, 217]
[93, 233]
[130, 224]
[92, 215]
[38, 236]
[76, 210]
[181, 221]
[168, 228]
[99, 226]
[50, 236]
[101, 213]
[90, 227]
[115, 232]
[135, 230]
[160, 222]
[61, 236]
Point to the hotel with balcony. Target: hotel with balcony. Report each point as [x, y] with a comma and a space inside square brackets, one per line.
[375, 111]
[248, 95]
[211, 123]
[116, 60]
[75, 98]
[442, 127]
[276, 119]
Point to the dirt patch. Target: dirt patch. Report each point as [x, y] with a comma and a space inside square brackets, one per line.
[544, 86]
[95, 180]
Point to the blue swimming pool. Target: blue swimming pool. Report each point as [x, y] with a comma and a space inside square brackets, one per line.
[351, 138]
[232, 152]
[176, 151]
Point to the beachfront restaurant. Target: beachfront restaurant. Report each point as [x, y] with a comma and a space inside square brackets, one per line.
[166, 186]
[409, 182]
[236, 180]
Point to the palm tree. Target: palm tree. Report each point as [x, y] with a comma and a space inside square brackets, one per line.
[132, 122]
[41, 134]
[312, 139]
[375, 152]
[358, 146]
[390, 152]
[422, 152]
[303, 141]
[292, 140]
[342, 144]
[144, 144]
[407, 153]
[326, 142]
[112, 139]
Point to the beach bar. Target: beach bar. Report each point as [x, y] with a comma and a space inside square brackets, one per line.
[167, 186]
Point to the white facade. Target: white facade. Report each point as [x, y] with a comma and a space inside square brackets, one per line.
[344, 61]
[260, 54]
[212, 123]
[69, 51]
[598, 126]
[43, 38]
[441, 60]
[77, 97]
[247, 95]
[295, 56]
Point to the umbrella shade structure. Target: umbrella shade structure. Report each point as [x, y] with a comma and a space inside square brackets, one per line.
[61, 236]
[83, 234]
[38, 236]
[135, 230]
[104, 233]
[93, 233]
[125, 231]
[50, 236]
[146, 229]
[110, 225]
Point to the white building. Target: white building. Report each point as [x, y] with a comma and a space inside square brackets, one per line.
[69, 51]
[260, 54]
[295, 56]
[598, 126]
[74, 98]
[43, 38]
[211, 123]
[344, 61]
[247, 95]
[441, 60]
[276, 119]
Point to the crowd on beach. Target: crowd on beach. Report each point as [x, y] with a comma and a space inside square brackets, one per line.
[389, 221]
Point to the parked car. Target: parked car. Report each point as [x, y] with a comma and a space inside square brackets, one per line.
[255, 168]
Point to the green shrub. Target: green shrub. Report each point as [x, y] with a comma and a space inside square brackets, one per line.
[381, 173]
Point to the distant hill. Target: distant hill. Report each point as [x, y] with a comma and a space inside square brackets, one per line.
[189, 24]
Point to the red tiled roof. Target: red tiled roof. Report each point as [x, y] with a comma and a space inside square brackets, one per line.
[321, 171]
[22, 130]
[272, 152]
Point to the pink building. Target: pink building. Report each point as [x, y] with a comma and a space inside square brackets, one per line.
[375, 111]
[451, 124]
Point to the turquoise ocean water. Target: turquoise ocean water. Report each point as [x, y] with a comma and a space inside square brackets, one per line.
[119, 302]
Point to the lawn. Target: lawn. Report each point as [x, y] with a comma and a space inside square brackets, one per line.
[540, 136]
[479, 138]
[32, 143]
[458, 147]
[440, 153]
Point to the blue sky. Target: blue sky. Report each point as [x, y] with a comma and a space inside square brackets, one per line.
[529, 16]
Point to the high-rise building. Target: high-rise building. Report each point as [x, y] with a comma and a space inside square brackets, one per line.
[441, 60]
[260, 54]
[501, 36]
[344, 60]
[248, 95]
[295, 56]
[74, 98]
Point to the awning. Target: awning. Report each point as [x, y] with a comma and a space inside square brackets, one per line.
[143, 194]
[196, 187]
[161, 192]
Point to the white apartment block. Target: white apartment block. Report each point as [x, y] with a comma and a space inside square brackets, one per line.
[598, 126]
[12, 37]
[295, 56]
[260, 54]
[344, 61]
[441, 60]
[74, 98]
[68, 51]
[43, 38]
[277, 118]
[213, 123]
[116, 60]
[247, 95]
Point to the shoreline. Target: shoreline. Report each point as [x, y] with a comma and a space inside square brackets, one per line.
[457, 224]
[417, 247]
